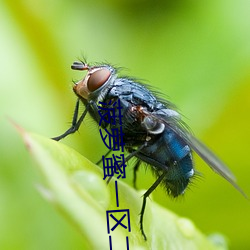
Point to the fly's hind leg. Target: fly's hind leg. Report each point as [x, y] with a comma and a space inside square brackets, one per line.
[145, 196]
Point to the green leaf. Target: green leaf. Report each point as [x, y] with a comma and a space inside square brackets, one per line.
[77, 189]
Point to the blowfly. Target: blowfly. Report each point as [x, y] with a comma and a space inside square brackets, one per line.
[153, 131]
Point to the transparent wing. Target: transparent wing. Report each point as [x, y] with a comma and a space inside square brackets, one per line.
[175, 124]
[208, 156]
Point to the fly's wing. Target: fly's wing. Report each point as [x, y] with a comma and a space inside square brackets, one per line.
[175, 124]
[212, 160]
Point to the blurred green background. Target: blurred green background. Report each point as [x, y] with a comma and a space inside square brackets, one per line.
[196, 52]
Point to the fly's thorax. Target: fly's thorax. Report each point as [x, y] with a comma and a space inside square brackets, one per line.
[95, 84]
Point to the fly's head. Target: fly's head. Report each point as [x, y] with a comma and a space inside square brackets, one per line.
[96, 79]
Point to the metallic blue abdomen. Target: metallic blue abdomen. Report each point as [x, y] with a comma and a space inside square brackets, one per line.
[169, 153]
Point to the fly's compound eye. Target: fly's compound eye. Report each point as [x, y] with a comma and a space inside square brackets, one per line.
[97, 79]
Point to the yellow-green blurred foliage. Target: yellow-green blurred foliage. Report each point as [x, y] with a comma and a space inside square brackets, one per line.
[195, 52]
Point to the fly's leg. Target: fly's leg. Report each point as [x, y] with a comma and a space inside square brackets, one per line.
[90, 107]
[136, 167]
[75, 123]
[132, 154]
[104, 156]
[145, 196]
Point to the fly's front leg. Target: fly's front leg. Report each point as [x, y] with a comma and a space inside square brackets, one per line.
[93, 110]
[75, 123]
[145, 196]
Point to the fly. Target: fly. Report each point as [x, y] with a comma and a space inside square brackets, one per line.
[153, 131]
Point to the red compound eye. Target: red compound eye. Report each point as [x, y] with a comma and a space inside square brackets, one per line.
[97, 79]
